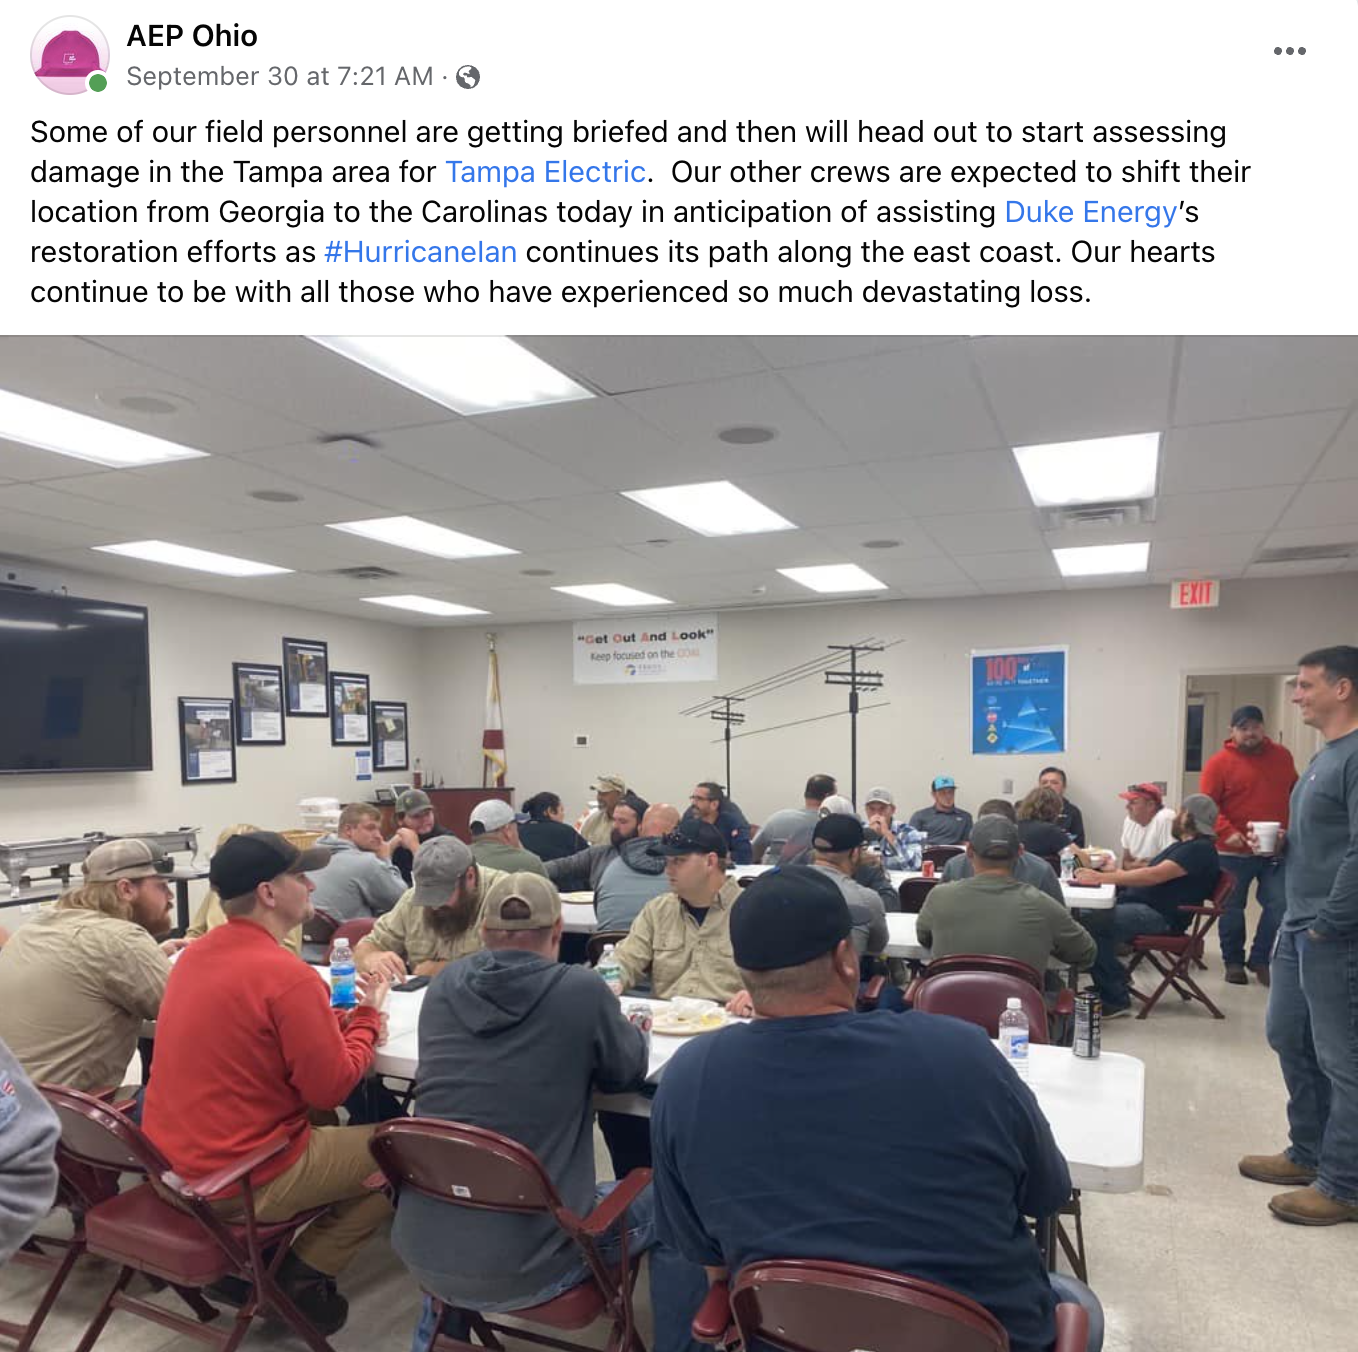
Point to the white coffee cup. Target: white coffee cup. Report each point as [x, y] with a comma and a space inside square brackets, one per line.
[1266, 836]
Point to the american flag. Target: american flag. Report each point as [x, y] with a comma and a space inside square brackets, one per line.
[493, 761]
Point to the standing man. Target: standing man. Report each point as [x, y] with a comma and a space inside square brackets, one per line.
[495, 838]
[415, 823]
[1313, 1007]
[709, 803]
[1251, 779]
[944, 823]
[1069, 819]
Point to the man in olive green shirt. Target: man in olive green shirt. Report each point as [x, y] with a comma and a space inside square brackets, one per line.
[682, 938]
[495, 838]
[992, 912]
[438, 920]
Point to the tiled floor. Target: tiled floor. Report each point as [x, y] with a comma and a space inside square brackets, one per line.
[1195, 1260]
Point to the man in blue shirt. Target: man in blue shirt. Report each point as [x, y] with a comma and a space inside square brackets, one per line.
[1313, 1003]
[939, 1149]
[709, 803]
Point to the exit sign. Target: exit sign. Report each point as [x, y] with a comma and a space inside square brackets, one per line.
[1194, 594]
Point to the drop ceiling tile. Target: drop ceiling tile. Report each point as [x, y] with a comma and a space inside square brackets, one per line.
[1296, 568]
[1225, 378]
[1204, 553]
[28, 464]
[968, 481]
[1341, 460]
[1254, 452]
[42, 500]
[22, 532]
[1064, 389]
[608, 517]
[1311, 536]
[914, 542]
[925, 401]
[1230, 510]
[819, 497]
[515, 528]
[785, 351]
[634, 362]
[985, 532]
[697, 557]
[1000, 587]
[910, 575]
[1026, 563]
[1333, 503]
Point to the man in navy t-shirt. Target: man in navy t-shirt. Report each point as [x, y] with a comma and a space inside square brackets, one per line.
[1149, 898]
[901, 1142]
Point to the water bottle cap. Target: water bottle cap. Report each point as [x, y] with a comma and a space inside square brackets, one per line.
[1015, 1002]
[608, 948]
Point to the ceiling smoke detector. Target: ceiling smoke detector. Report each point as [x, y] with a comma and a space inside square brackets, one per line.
[366, 572]
[149, 403]
[746, 436]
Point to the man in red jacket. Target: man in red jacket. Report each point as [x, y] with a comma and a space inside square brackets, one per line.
[1251, 780]
[247, 1047]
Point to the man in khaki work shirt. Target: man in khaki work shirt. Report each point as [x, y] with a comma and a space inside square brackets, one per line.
[438, 920]
[682, 938]
[77, 981]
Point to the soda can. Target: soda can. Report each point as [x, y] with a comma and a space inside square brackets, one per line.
[1088, 1025]
[927, 869]
[639, 1015]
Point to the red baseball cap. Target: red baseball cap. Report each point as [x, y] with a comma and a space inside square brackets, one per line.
[1151, 791]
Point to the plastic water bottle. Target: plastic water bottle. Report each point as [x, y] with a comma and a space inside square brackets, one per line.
[1014, 1036]
[343, 994]
[610, 969]
[1067, 864]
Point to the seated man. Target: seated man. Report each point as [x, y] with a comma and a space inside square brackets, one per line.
[939, 1151]
[247, 1047]
[28, 1169]
[580, 872]
[837, 852]
[1149, 898]
[944, 822]
[1028, 868]
[547, 832]
[77, 981]
[415, 823]
[516, 1042]
[210, 914]
[438, 920]
[709, 803]
[788, 822]
[495, 838]
[993, 912]
[1069, 817]
[637, 874]
[1148, 827]
[360, 878]
[597, 824]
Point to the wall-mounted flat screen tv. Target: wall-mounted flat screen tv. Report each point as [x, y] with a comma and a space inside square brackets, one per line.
[75, 684]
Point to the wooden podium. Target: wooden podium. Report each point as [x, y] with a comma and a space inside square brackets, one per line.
[452, 808]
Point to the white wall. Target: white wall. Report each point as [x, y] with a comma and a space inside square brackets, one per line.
[1129, 657]
[195, 637]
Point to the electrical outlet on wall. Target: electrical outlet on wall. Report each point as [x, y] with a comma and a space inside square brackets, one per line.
[582, 739]
[1007, 787]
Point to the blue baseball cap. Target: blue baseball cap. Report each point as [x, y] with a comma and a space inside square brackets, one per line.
[943, 782]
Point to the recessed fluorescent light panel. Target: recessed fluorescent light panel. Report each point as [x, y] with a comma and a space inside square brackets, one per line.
[1108, 469]
[181, 556]
[614, 594]
[1094, 560]
[408, 532]
[712, 509]
[426, 605]
[465, 374]
[834, 577]
[50, 428]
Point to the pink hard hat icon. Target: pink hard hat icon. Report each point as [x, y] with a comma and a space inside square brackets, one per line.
[69, 53]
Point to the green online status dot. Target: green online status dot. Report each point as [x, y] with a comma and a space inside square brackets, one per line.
[98, 83]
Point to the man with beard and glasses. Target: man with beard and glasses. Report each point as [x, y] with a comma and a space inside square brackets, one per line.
[580, 872]
[438, 920]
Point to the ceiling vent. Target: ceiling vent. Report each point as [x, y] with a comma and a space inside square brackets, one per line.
[1099, 514]
[366, 572]
[1307, 554]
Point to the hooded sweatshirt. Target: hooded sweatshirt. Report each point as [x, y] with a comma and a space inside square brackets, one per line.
[1248, 787]
[628, 883]
[28, 1169]
[516, 1044]
[355, 883]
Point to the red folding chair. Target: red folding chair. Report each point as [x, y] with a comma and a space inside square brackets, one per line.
[1063, 1005]
[980, 997]
[1173, 955]
[498, 1174]
[804, 1305]
[353, 930]
[182, 1243]
[940, 855]
[913, 892]
[320, 929]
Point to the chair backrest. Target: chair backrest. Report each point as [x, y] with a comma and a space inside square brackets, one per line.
[1222, 891]
[913, 892]
[985, 962]
[813, 1306]
[320, 929]
[98, 1136]
[940, 854]
[463, 1166]
[353, 930]
[598, 941]
[980, 998]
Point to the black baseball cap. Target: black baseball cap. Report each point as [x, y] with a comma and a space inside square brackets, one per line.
[787, 917]
[692, 836]
[245, 861]
[1247, 713]
[838, 834]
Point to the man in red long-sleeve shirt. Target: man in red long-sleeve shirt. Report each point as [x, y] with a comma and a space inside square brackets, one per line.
[1250, 779]
[247, 1047]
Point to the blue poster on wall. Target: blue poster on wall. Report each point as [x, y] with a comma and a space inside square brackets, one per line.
[1018, 701]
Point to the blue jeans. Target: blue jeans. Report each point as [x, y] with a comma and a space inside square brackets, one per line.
[678, 1287]
[1268, 871]
[1072, 1291]
[1111, 928]
[1312, 1024]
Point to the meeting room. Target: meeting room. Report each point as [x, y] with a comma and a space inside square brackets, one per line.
[654, 843]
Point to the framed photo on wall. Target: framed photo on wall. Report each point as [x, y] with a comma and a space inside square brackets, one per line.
[306, 678]
[350, 710]
[391, 735]
[207, 747]
[259, 704]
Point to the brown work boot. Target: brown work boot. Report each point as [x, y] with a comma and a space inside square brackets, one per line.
[1275, 1169]
[1260, 970]
[1310, 1206]
[1235, 974]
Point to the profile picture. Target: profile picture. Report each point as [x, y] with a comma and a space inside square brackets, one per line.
[70, 55]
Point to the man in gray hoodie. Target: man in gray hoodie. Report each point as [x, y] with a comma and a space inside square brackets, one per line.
[637, 874]
[515, 1042]
[28, 1142]
[360, 879]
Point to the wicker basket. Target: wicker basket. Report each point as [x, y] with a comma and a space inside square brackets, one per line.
[303, 840]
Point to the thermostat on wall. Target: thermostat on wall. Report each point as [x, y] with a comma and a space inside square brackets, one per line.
[582, 739]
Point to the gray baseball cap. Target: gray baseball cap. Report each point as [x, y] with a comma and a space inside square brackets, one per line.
[994, 837]
[438, 868]
[1203, 810]
[412, 801]
[879, 795]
